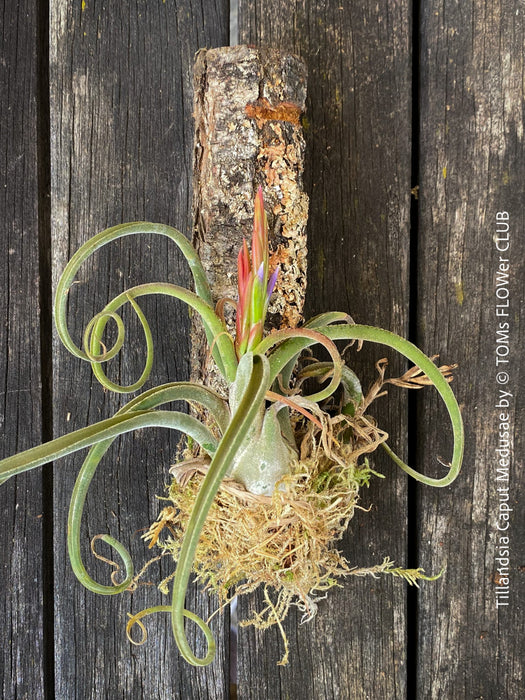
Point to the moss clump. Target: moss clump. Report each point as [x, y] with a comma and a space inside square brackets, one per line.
[285, 543]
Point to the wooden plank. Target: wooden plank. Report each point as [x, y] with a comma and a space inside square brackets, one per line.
[21, 570]
[357, 174]
[121, 87]
[471, 643]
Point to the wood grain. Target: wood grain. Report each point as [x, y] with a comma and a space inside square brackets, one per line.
[357, 175]
[472, 167]
[21, 554]
[121, 109]
[121, 149]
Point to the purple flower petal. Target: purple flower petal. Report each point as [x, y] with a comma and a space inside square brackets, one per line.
[272, 281]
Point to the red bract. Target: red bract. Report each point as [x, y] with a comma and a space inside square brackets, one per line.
[254, 282]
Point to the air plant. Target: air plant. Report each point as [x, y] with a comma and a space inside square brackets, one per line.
[263, 437]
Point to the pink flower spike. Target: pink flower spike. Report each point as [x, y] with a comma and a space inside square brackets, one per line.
[260, 232]
[255, 285]
[244, 287]
[243, 265]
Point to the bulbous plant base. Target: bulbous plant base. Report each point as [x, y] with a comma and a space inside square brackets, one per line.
[285, 543]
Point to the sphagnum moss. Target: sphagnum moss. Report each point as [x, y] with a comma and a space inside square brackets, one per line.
[285, 543]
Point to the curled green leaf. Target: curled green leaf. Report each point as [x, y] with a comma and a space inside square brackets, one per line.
[297, 342]
[222, 345]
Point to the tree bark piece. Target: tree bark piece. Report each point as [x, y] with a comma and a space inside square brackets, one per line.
[248, 105]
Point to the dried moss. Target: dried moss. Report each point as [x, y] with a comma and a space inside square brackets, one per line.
[286, 543]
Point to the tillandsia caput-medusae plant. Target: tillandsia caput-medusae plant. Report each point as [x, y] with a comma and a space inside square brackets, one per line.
[266, 450]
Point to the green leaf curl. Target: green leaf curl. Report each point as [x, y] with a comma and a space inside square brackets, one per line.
[223, 352]
[222, 342]
[319, 321]
[311, 337]
[93, 343]
[149, 400]
[296, 343]
[137, 620]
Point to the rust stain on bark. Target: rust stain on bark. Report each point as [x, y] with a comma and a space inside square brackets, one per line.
[262, 111]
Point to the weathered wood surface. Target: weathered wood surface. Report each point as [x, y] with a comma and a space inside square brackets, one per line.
[471, 639]
[121, 112]
[21, 572]
[121, 149]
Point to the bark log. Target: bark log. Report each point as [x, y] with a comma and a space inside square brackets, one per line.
[248, 104]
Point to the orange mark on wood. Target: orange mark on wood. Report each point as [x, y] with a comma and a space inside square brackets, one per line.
[262, 111]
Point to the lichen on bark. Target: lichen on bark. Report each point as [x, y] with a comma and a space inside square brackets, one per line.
[248, 104]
